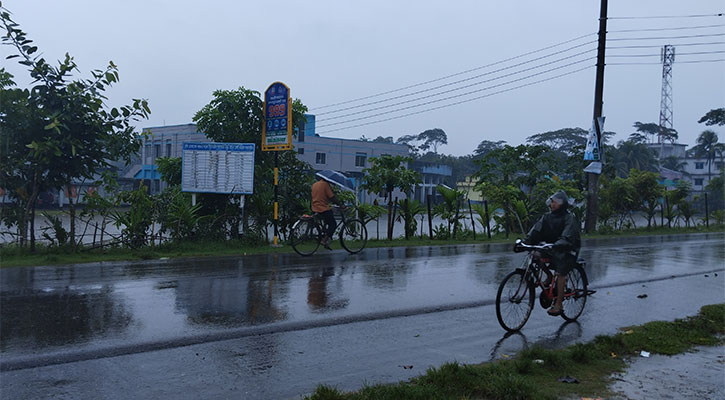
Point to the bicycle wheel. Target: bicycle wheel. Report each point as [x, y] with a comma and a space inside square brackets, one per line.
[353, 236]
[514, 301]
[305, 237]
[575, 294]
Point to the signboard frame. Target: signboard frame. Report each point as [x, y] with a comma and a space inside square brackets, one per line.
[273, 115]
[213, 147]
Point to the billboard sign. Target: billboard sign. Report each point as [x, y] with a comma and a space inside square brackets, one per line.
[217, 168]
[277, 127]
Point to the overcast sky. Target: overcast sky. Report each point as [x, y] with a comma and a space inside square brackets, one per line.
[176, 53]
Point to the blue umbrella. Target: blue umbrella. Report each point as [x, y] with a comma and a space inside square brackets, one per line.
[336, 178]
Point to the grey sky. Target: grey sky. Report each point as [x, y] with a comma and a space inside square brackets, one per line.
[176, 53]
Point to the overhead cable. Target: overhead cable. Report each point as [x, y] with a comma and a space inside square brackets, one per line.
[670, 16]
[465, 80]
[457, 73]
[461, 87]
[459, 102]
[453, 97]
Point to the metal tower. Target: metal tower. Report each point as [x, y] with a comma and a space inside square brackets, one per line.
[668, 58]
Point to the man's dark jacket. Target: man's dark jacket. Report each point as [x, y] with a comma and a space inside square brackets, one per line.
[561, 228]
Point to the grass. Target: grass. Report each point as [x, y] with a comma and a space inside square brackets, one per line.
[527, 377]
[11, 256]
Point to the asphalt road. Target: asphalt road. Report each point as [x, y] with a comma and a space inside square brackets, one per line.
[276, 326]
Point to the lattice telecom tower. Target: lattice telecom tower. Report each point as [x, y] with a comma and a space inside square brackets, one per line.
[668, 58]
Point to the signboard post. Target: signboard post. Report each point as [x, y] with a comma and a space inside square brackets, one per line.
[277, 132]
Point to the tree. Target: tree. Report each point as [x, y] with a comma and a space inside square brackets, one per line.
[387, 173]
[652, 129]
[708, 147]
[487, 146]
[631, 155]
[647, 192]
[714, 117]
[236, 116]
[69, 131]
[673, 163]
[432, 138]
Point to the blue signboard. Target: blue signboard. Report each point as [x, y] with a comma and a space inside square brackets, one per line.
[217, 168]
[277, 128]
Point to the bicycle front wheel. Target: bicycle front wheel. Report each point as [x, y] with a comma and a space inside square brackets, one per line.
[575, 294]
[305, 237]
[514, 301]
[353, 236]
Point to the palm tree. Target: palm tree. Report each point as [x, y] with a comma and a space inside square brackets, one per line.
[629, 155]
[708, 147]
[674, 163]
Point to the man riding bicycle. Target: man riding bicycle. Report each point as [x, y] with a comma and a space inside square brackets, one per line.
[322, 195]
[561, 228]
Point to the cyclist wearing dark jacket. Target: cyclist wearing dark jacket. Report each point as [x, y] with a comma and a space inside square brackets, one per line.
[561, 228]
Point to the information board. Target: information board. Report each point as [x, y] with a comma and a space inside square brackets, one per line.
[217, 168]
[277, 128]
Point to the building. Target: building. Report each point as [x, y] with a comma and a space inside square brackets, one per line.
[695, 170]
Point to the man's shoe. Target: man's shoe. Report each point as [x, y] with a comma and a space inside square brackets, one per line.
[326, 243]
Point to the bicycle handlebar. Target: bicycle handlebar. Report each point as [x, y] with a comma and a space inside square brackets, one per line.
[519, 246]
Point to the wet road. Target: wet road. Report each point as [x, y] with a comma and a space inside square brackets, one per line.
[276, 326]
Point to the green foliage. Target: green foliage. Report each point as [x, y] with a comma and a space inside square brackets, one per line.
[60, 129]
[714, 117]
[170, 169]
[59, 233]
[647, 192]
[709, 148]
[386, 174]
[618, 197]
[236, 116]
[630, 155]
[409, 209]
[135, 224]
[449, 208]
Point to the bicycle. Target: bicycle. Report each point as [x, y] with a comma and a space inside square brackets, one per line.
[515, 296]
[309, 231]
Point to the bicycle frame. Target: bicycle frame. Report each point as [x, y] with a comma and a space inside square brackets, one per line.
[536, 266]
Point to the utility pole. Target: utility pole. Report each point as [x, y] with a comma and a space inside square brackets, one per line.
[590, 224]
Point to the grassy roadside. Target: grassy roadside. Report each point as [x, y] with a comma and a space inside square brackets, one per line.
[534, 373]
[11, 256]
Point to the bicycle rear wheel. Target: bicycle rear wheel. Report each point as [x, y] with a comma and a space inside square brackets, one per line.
[514, 301]
[305, 237]
[575, 294]
[353, 236]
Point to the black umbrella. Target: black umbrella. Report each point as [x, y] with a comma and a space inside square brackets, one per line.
[336, 178]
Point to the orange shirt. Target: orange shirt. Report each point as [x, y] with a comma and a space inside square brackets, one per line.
[321, 195]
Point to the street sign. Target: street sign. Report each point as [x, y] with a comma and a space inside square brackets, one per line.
[217, 168]
[277, 127]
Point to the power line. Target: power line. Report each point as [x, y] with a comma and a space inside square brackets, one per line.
[459, 102]
[464, 80]
[679, 62]
[457, 73]
[660, 46]
[659, 55]
[666, 37]
[667, 29]
[453, 97]
[455, 89]
[670, 16]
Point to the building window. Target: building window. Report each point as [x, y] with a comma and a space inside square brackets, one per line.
[320, 158]
[699, 165]
[300, 150]
[147, 154]
[157, 151]
[698, 181]
[168, 149]
[157, 185]
[360, 159]
[718, 165]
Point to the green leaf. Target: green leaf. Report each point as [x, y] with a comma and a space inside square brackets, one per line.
[114, 113]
